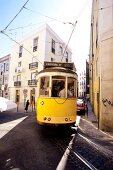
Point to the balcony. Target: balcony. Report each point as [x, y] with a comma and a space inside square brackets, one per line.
[32, 82]
[33, 65]
[17, 83]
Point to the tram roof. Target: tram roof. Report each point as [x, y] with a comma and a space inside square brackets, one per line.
[57, 69]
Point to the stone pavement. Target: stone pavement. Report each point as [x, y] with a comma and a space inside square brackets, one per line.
[89, 126]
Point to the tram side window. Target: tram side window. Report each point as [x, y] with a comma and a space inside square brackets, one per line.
[44, 86]
[71, 88]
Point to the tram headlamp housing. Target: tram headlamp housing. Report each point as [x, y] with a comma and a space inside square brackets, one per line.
[45, 118]
[42, 102]
[49, 119]
[66, 119]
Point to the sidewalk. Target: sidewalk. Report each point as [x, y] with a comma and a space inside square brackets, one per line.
[89, 126]
[92, 118]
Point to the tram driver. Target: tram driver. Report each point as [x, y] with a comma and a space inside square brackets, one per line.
[62, 92]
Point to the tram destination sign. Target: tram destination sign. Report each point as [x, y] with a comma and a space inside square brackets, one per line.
[58, 64]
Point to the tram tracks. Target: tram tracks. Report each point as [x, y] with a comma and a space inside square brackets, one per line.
[97, 146]
[82, 153]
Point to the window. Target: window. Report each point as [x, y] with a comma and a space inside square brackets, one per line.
[14, 78]
[7, 66]
[53, 46]
[2, 69]
[71, 90]
[66, 56]
[44, 86]
[33, 76]
[18, 77]
[52, 59]
[20, 50]
[35, 44]
[19, 64]
[5, 80]
[61, 50]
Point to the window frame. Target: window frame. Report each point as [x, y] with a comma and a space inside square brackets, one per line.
[20, 50]
[35, 44]
[53, 46]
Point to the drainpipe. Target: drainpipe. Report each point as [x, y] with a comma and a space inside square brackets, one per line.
[92, 67]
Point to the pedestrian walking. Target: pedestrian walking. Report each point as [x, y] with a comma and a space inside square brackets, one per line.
[27, 104]
[86, 109]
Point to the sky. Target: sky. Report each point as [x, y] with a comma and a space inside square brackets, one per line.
[60, 15]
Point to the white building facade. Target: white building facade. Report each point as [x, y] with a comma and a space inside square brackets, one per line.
[4, 76]
[82, 84]
[27, 59]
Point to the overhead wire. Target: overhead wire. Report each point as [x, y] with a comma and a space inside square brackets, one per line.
[16, 15]
[20, 45]
[22, 27]
[43, 15]
[74, 25]
[52, 19]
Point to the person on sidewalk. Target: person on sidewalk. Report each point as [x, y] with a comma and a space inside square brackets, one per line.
[27, 104]
[86, 109]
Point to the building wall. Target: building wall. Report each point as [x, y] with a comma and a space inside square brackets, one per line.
[4, 75]
[58, 56]
[82, 84]
[107, 81]
[101, 63]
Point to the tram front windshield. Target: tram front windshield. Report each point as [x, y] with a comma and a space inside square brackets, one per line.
[58, 87]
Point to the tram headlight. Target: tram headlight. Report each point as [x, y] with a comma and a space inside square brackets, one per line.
[49, 119]
[70, 119]
[45, 118]
[41, 102]
[66, 119]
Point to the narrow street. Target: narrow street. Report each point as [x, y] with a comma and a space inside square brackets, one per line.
[30, 146]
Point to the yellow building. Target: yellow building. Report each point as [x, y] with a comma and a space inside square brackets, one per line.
[27, 59]
[101, 63]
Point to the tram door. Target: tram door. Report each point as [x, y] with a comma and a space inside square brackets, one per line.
[32, 98]
[17, 98]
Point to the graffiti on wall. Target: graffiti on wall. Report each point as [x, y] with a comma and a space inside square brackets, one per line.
[106, 101]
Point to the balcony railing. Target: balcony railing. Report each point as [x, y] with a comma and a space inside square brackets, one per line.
[33, 65]
[32, 82]
[17, 83]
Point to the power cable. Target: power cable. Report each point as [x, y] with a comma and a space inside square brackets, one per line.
[16, 15]
[43, 15]
[30, 25]
[46, 16]
[69, 40]
[74, 25]
[20, 45]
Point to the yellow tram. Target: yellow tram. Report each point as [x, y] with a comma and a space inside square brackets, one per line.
[57, 93]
